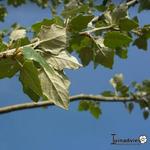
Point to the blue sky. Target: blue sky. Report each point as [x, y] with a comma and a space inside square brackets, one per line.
[57, 129]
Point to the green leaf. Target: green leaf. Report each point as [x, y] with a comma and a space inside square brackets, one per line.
[143, 104]
[3, 12]
[83, 105]
[144, 5]
[146, 114]
[141, 43]
[41, 3]
[100, 8]
[106, 60]
[108, 93]
[55, 87]
[92, 107]
[47, 22]
[34, 97]
[105, 2]
[95, 111]
[79, 22]
[63, 60]
[127, 24]
[104, 55]
[122, 53]
[86, 55]
[116, 39]
[3, 47]
[74, 11]
[130, 107]
[29, 78]
[9, 68]
[16, 3]
[54, 84]
[124, 90]
[53, 39]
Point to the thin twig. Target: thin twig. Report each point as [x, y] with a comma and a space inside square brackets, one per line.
[96, 29]
[98, 98]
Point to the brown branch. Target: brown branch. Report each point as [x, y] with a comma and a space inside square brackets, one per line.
[98, 98]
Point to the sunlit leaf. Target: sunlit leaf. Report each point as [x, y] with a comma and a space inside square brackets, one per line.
[17, 34]
[54, 84]
[63, 60]
[53, 38]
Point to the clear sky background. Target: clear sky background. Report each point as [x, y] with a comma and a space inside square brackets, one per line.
[57, 129]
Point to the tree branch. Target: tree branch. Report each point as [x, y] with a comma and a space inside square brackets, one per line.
[132, 2]
[96, 29]
[11, 52]
[98, 98]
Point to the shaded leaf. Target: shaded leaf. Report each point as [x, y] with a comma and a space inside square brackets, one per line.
[127, 24]
[3, 12]
[146, 114]
[29, 78]
[144, 5]
[100, 8]
[74, 11]
[103, 54]
[86, 55]
[116, 39]
[41, 3]
[122, 53]
[8, 68]
[79, 22]
[143, 104]
[108, 93]
[130, 107]
[141, 43]
[90, 106]
[3, 47]
[95, 111]
[83, 105]
[34, 97]
[16, 3]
